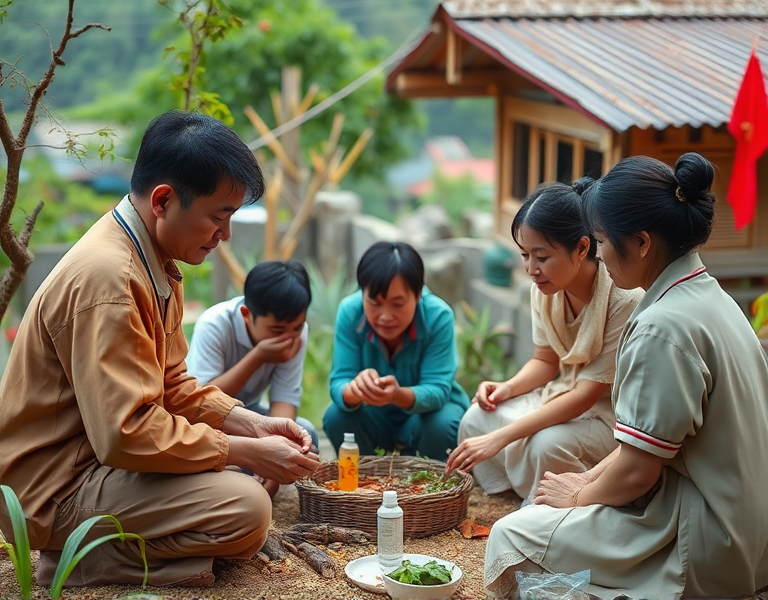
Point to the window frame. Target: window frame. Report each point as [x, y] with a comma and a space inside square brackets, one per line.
[555, 122]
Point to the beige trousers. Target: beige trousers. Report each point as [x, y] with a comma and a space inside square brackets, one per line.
[185, 520]
[574, 446]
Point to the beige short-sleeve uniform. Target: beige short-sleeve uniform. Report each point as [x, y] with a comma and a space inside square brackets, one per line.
[691, 387]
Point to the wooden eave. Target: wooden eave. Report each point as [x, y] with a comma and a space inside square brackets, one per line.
[445, 65]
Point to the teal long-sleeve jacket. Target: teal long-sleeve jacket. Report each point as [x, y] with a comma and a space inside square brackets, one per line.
[426, 362]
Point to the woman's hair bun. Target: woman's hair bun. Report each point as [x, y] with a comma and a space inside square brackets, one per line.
[582, 185]
[694, 175]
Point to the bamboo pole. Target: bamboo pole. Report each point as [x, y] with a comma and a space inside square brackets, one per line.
[307, 100]
[316, 160]
[277, 108]
[289, 241]
[335, 162]
[333, 139]
[235, 270]
[291, 86]
[270, 200]
[272, 142]
[338, 174]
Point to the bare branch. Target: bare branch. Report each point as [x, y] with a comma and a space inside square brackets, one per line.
[45, 81]
[15, 251]
[29, 225]
[16, 247]
[82, 30]
[10, 283]
[197, 36]
[6, 134]
[10, 191]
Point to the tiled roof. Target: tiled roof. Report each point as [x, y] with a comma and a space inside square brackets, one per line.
[630, 72]
[623, 71]
[473, 9]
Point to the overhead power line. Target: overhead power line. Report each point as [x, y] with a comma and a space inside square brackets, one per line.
[406, 47]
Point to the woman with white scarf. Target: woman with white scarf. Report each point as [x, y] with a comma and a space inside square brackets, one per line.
[555, 414]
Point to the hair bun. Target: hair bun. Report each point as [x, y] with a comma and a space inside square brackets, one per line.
[582, 184]
[694, 175]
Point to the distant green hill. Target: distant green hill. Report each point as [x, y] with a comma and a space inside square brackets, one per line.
[95, 61]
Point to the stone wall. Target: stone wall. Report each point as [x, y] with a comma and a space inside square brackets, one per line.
[338, 234]
[454, 271]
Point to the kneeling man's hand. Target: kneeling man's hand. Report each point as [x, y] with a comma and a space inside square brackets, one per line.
[287, 428]
[243, 422]
[273, 457]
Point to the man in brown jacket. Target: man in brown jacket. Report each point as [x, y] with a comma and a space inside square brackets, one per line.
[97, 412]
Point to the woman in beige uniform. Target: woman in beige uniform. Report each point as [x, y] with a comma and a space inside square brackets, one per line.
[680, 507]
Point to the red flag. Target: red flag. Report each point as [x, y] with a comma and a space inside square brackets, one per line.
[749, 125]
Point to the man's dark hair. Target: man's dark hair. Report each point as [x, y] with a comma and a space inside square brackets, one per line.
[383, 261]
[194, 154]
[279, 288]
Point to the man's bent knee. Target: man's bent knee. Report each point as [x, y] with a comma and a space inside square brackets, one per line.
[248, 510]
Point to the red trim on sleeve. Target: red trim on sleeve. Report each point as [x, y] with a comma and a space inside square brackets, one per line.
[649, 439]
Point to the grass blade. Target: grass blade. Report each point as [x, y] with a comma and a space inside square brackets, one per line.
[70, 557]
[23, 561]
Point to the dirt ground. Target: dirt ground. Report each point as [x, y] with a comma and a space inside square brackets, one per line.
[294, 580]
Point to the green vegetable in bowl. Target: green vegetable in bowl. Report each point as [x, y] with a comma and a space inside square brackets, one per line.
[431, 573]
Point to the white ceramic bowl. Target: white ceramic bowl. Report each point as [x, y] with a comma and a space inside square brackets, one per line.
[407, 591]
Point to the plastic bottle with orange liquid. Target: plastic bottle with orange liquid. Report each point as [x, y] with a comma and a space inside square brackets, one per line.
[349, 456]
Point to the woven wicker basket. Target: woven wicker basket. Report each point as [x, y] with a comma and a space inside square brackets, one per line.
[423, 514]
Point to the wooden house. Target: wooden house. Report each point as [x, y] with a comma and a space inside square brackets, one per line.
[580, 84]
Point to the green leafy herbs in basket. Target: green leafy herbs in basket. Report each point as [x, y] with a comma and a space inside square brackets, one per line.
[431, 573]
[434, 481]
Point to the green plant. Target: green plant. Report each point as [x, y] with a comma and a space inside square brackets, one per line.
[437, 482]
[317, 364]
[211, 21]
[481, 352]
[321, 316]
[759, 309]
[20, 553]
[327, 295]
[455, 194]
[432, 573]
[70, 556]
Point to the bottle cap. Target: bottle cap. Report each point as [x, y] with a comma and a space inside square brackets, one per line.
[349, 437]
[389, 499]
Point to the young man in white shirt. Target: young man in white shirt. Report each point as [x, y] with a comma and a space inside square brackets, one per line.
[258, 341]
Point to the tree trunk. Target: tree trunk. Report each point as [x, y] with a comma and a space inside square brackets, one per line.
[16, 247]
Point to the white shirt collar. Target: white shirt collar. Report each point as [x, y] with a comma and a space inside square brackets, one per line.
[241, 331]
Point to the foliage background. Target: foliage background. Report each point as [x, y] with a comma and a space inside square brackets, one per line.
[124, 77]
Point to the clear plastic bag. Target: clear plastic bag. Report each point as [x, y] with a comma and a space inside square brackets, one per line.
[553, 586]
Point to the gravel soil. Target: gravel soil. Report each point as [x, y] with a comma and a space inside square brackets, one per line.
[294, 579]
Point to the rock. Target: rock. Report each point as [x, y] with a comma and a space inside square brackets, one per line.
[477, 224]
[427, 223]
[444, 275]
